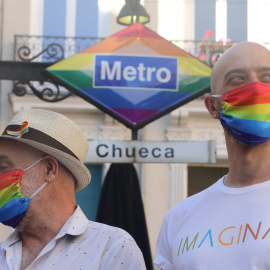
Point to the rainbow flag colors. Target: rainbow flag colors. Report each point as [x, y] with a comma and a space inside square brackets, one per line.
[19, 133]
[135, 75]
[246, 113]
[10, 195]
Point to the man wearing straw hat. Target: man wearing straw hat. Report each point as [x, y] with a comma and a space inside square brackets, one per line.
[41, 165]
[227, 226]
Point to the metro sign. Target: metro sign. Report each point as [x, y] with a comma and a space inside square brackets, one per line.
[136, 72]
[135, 76]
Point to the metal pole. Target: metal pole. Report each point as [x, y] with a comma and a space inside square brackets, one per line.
[134, 135]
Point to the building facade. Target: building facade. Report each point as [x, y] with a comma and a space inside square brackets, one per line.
[182, 21]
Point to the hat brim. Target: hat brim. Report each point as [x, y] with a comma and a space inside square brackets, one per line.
[79, 170]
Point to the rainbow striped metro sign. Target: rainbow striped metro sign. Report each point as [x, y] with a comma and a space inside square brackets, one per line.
[135, 76]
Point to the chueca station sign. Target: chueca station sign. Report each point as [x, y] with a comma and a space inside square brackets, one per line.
[151, 152]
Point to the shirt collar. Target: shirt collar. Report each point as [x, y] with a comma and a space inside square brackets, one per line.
[11, 240]
[75, 225]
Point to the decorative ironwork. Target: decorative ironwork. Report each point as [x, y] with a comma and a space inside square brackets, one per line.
[214, 56]
[19, 89]
[50, 48]
[47, 91]
[47, 49]
[54, 51]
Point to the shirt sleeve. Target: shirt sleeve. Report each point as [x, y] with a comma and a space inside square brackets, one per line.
[124, 256]
[164, 255]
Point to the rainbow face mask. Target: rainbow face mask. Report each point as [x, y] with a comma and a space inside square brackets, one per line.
[246, 113]
[13, 204]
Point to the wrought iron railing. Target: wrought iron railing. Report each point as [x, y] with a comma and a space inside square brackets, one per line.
[55, 48]
[49, 48]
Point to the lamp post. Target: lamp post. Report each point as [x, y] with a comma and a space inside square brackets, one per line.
[133, 12]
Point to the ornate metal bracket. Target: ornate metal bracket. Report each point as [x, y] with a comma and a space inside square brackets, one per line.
[50, 92]
[30, 76]
[54, 51]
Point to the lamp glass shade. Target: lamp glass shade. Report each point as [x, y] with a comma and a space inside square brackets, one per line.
[133, 12]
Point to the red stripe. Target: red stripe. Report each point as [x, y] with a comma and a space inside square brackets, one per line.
[9, 178]
[244, 91]
[261, 99]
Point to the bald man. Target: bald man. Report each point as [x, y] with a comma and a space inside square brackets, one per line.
[227, 226]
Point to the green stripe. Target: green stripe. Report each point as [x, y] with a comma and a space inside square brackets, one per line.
[10, 198]
[193, 84]
[75, 78]
[257, 117]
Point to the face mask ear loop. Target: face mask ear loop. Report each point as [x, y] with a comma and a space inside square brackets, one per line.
[38, 190]
[217, 96]
[33, 165]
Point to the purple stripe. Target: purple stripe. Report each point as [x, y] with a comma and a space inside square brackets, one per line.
[247, 138]
[135, 116]
[14, 222]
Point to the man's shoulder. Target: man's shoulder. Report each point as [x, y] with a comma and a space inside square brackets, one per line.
[191, 202]
[110, 231]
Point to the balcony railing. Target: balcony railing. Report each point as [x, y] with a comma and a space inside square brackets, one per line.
[55, 48]
[49, 48]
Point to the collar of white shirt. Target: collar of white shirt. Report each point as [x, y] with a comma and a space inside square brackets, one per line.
[75, 225]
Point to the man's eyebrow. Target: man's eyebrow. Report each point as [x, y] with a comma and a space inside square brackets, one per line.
[263, 69]
[232, 71]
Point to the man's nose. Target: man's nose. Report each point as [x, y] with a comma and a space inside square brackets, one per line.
[254, 77]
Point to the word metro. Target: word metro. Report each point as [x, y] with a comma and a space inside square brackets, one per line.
[139, 72]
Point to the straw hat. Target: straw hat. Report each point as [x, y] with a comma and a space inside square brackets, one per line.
[55, 135]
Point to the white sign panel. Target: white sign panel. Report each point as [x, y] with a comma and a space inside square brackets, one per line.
[151, 152]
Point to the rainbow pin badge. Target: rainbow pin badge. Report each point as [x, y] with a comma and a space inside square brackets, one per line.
[19, 132]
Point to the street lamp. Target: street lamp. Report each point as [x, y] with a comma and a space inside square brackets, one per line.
[133, 12]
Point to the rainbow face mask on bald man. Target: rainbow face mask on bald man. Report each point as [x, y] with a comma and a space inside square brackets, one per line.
[246, 113]
[13, 204]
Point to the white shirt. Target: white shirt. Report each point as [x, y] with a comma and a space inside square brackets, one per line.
[219, 228]
[80, 245]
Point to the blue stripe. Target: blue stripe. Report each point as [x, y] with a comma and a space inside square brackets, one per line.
[87, 18]
[13, 208]
[247, 138]
[54, 22]
[109, 99]
[257, 128]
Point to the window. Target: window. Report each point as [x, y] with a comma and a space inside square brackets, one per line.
[88, 197]
[200, 178]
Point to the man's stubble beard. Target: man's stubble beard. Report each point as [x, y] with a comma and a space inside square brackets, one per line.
[28, 187]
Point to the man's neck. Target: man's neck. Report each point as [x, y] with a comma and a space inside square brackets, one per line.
[38, 232]
[248, 165]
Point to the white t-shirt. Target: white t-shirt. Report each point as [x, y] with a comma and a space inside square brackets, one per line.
[220, 228]
[81, 244]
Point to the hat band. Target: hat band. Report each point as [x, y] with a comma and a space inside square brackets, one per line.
[40, 137]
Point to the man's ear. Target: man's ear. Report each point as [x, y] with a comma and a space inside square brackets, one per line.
[212, 106]
[51, 168]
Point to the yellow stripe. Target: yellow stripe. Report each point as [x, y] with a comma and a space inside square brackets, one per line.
[75, 62]
[250, 109]
[194, 66]
[14, 188]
